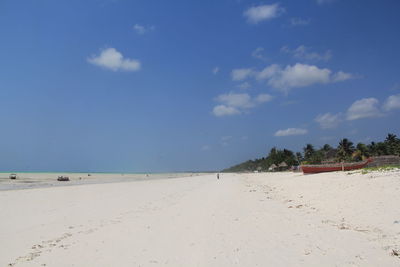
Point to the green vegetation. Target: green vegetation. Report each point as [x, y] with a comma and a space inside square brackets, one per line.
[345, 151]
[381, 168]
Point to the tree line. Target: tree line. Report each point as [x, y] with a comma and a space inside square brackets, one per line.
[345, 151]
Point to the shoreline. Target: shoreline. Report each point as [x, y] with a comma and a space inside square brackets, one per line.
[31, 180]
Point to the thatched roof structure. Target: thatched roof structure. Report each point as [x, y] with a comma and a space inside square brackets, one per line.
[273, 166]
[283, 164]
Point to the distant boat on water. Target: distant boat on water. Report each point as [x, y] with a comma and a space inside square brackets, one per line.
[343, 166]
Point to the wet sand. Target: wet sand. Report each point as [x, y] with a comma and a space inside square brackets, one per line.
[28, 180]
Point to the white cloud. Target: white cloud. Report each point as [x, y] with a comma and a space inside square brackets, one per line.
[341, 76]
[236, 100]
[303, 52]
[233, 103]
[291, 131]
[241, 74]
[328, 120]
[257, 14]
[268, 72]
[222, 110]
[364, 108]
[392, 102]
[245, 85]
[298, 75]
[215, 70]
[141, 29]
[111, 59]
[262, 98]
[258, 53]
[299, 21]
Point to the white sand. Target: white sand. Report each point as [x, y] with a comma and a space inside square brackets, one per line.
[282, 219]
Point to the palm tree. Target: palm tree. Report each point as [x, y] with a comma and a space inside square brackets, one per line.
[326, 147]
[308, 151]
[299, 157]
[391, 138]
[345, 149]
[361, 152]
[392, 144]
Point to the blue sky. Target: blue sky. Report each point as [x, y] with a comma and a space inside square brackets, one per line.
[118, 85]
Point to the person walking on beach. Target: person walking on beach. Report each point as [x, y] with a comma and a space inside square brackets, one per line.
[218, 176]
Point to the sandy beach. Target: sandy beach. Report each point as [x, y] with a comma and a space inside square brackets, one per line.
[260, 219]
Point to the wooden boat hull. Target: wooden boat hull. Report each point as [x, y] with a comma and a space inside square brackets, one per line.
[307, 169]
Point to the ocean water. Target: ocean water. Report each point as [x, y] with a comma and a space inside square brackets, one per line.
[27, 180]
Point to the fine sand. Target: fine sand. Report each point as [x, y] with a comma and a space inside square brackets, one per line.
[280, 219]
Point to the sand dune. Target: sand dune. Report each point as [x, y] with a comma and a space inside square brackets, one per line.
[282, 219]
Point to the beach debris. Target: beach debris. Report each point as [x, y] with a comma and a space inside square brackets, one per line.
[63, 178]
[13, 176]
[395, 253]
[344, 226]
[396, 222]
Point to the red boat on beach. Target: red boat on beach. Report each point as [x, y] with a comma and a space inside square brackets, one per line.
[343, 166]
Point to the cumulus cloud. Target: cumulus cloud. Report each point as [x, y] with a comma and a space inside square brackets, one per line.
[364, 108]
[392, 102]
[328, 120]
[244, 86]
[268, 72]
[236, 100]
[299, 21]
[215, 70]
[141, 29]
[360, 109]
[234, 103]
[241, 74]
[303, 52]
[111, 59]
[222, 110]
[262, 98]
[291, 131]
[298, 75]
[341, 76]
[259, 13]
